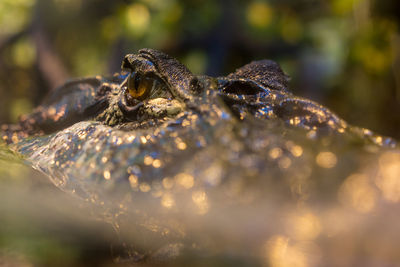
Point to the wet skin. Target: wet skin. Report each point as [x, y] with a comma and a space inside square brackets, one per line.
[258, 89]
[155, 141]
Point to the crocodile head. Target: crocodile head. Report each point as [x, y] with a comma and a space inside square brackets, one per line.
[164, 151]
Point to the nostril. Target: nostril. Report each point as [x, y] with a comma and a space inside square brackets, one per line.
[242, 88]
[195, 86]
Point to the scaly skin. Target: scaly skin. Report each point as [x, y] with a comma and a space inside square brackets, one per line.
[202, 147]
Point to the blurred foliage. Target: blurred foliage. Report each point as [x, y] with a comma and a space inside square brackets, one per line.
[341, 53]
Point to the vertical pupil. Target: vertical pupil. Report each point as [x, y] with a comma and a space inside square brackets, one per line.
[132, 82]
[139, 85]
[137, 81]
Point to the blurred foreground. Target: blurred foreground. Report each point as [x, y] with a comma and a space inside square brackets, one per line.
[41, 226]
[316, 202]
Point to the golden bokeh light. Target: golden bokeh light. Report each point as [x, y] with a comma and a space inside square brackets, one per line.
[181, 145]
[200, 199]
[303, 225]
[279, 252]
[167, 201]
[144, 187]
[388, 178]
[107, 174]
[185, 180]
[143, 140]
[326, 159]
[213, 174]
[148, 160]
[296, 151]
[275, 153]
[157, 163]
[133, 181]
[357, 192]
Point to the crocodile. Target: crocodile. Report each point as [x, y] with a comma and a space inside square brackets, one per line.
[180, 163]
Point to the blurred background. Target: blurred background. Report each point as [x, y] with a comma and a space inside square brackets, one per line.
[344, 54]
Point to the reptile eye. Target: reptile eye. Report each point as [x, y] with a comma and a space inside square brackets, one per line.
[139, 86]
